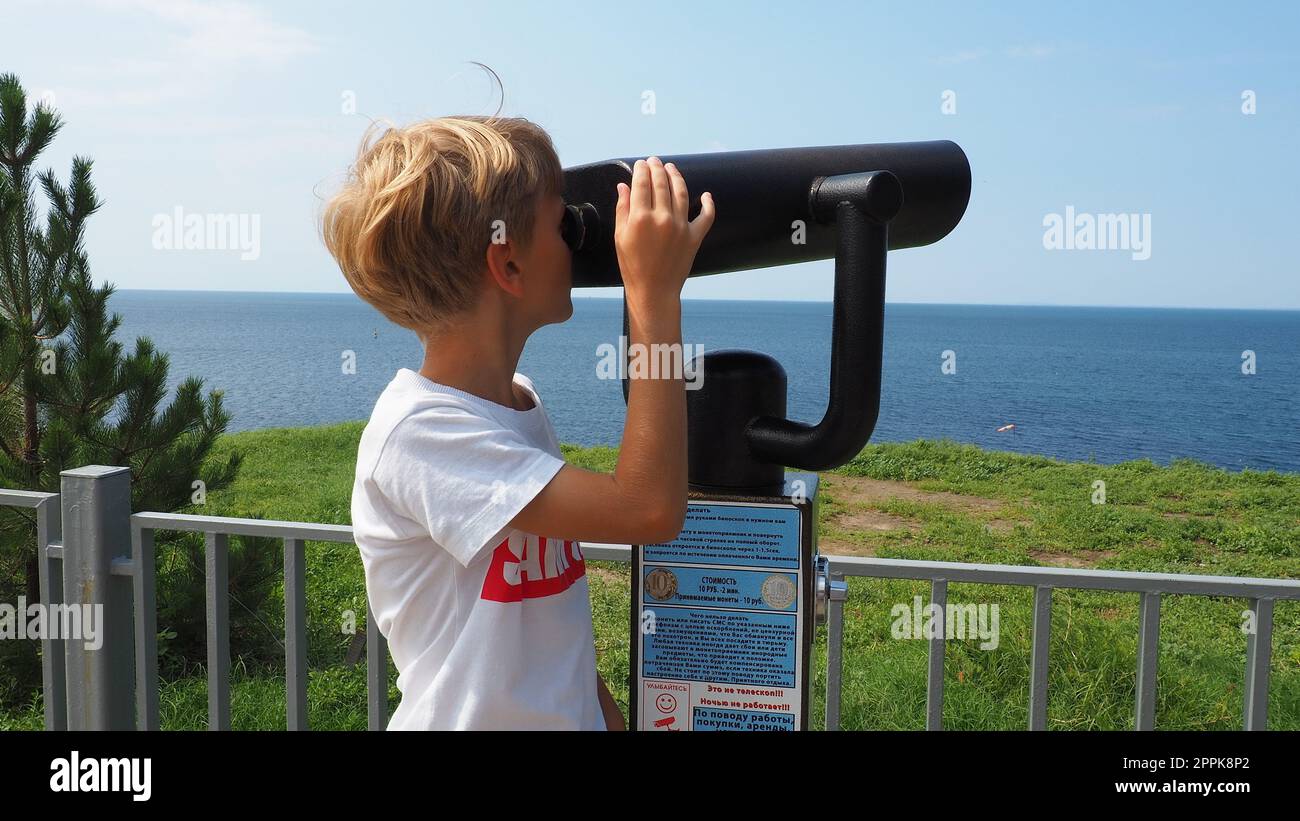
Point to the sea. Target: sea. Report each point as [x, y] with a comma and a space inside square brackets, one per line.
[1078, 383]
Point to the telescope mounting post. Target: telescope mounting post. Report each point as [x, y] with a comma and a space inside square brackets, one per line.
[738, 437]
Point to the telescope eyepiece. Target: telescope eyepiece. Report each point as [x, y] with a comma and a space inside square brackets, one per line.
[579, 222]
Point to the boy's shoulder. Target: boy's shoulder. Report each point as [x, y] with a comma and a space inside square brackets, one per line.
[412, 406]
[413, 388]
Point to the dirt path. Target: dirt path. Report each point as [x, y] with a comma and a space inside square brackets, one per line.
[858, 498]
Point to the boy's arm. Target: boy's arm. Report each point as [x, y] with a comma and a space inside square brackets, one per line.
[609, 707]
[644, 501]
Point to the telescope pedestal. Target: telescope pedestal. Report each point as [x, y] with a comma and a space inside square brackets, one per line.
[723, 615]
[735, 386]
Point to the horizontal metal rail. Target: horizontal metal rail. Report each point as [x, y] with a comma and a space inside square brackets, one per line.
[25, 498]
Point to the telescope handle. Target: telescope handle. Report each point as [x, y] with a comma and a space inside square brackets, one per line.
[861, 205]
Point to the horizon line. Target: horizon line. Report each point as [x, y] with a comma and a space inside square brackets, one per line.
[725, 299]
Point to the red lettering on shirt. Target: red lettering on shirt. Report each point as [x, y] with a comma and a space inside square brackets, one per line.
[525, 566]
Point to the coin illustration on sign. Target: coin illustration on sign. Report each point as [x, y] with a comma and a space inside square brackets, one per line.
[661, 584]
[778, 591]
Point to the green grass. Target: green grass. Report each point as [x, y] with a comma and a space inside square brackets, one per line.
[1185, 518]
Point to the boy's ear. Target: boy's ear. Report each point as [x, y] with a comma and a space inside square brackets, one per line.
[502, 268]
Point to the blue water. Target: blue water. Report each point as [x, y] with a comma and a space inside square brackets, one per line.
[1107, 384]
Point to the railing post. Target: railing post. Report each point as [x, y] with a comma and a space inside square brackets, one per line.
[1259, 648]
[54, 679]
[1040, 655]
[376, 675]
[100, 660]
[146, 629]
[1147, 662]
[295, 634]
[217, 575]
[934, 676]
[834, 658]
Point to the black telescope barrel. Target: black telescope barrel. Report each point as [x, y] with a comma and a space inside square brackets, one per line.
[760, 194]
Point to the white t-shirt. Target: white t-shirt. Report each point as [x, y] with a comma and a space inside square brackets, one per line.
[490, 628]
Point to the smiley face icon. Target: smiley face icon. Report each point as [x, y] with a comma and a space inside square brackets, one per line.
[666, 703]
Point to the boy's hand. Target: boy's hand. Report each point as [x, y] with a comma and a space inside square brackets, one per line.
[656, 245]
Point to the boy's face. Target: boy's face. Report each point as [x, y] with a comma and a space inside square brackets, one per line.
[548, 263]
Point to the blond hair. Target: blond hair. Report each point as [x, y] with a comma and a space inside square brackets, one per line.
[411, 226]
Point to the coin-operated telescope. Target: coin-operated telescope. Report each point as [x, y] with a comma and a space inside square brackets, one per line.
[723, 615]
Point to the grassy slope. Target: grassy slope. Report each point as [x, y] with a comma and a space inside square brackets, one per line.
[1187, 518]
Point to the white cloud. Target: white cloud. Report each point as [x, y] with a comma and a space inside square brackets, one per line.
[217, 34]
[1153, 110]
[963, 56]
[1036, 51]
[190, 42]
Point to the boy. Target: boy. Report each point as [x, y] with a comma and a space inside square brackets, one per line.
[467, 518]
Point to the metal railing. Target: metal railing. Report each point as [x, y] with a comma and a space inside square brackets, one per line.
[1150, 586]
[217, 531]
[50, 557]
[94, 551]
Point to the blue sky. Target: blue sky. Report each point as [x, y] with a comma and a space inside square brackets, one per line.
[1108, 108]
